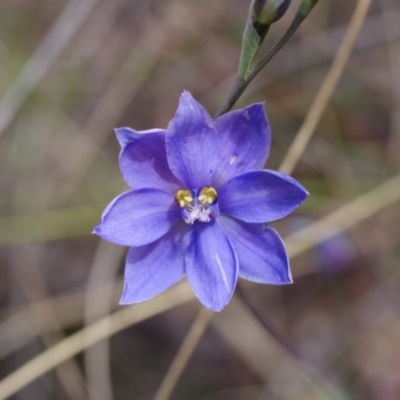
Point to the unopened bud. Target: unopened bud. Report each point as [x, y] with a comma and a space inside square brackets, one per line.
[266, 12]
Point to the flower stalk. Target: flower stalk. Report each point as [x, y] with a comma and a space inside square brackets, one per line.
[245, 74]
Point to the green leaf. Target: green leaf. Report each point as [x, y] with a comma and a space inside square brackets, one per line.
[250, 45]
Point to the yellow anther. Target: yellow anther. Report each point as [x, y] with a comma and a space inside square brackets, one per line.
[207, 195]
[184, 198]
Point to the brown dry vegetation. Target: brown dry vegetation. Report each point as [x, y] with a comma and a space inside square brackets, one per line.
[70, 71]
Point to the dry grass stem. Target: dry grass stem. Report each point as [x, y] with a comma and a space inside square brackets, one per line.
[328, 86]
[97, 305]
[345, 217]
[44, 57]
[69, 309]
[181, 359]
[90, 335]
[132, 74]
[393, 146]
[33, 286]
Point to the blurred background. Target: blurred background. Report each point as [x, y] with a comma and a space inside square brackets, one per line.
[71, 71]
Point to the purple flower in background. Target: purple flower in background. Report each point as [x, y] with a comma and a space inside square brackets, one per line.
[200, 205]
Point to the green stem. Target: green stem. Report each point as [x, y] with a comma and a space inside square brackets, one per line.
[242, 83]
[297, 20]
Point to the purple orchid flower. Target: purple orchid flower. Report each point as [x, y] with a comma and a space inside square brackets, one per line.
[200, 205]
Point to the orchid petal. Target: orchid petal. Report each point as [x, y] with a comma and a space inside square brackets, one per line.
[211, 265]
[261, 196]
[260, 250]
[143, 163]
[127, 135]
[153, 268]
[138, 217]
[244, 140]
[191, 144]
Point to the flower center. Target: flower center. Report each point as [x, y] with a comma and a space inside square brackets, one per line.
[197, 205]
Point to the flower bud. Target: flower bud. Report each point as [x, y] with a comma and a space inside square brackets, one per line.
[266, 12]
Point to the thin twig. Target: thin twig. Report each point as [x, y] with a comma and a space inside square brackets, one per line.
[321, 100]
[393, 146]
[33, 285]
[181, 359]
[45, 55]
[90, 335]
[97, 305]
[303, 361]
[363, 207]
[138, 65]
